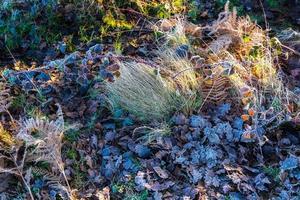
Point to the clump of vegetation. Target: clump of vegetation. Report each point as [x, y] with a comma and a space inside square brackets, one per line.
[273, 172]
[143, 93]
[37, 141]
[250, 62]
[20, 22]
[276, 3]
[171, 84]
[241, 58]
[26, 24]
[19, 101]
[148, 135]
[182, 99]
[128, 191]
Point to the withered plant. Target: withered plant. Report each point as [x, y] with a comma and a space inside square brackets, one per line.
[38, 140]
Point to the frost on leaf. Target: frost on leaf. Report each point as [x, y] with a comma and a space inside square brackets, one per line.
[289, 163]
[197, 121]
[211, 135]
[225, 129]
[261, 182]
[196, 174]
[223, 109]
[211, 156]
[238, 123]
[215, 134]
[211, 179]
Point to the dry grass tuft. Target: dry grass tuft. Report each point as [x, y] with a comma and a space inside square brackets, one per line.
[174, 31]
[143, 92]
[148, 135]
[187, 81]
[154, 93]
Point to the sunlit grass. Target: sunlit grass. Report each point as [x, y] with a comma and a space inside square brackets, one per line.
[143, 93]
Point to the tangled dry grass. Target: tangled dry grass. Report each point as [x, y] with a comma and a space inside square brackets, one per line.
[143, 93]
[156, 92]
[242, 54]
[236, 60]
[249, 59]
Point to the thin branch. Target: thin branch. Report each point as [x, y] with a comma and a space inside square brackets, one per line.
[290, 49]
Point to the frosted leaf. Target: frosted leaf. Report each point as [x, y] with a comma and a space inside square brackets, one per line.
[237, 134]
[295, 174]
[211, 157]
[211, 135]
[211, 154]
[197, 175]
[211, 179]
[261, 181]
[142, 151]
[222, 128]
[238, 123]
[140, 180]
[197, 121]
[289, 163]
[223, 109]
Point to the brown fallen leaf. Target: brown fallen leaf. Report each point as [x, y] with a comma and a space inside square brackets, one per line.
[89, 161]
[104, 194]
[71, 114]
[4, 184]
[161, 186]
[114, 67]
[160, 172]
[167, 25]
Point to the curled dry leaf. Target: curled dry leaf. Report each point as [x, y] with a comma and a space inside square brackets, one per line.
[160, 172]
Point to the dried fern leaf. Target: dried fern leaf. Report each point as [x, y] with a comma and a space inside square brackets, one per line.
[50, 177]
[5, 98]
[45, 137]
[216, 90]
